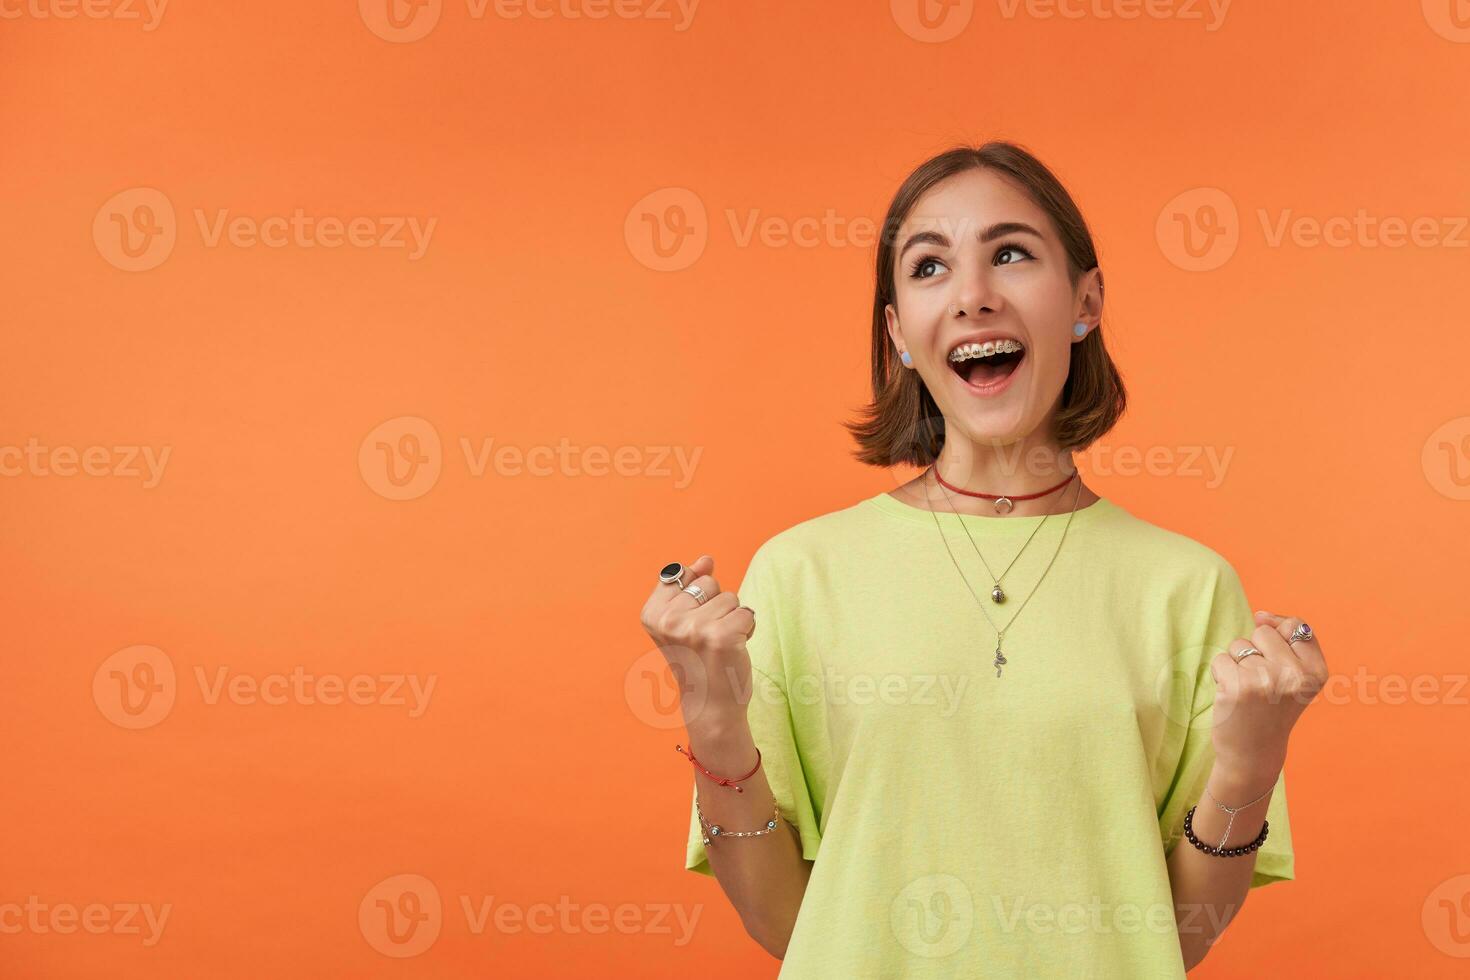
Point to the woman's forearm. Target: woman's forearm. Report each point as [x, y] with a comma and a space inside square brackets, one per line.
[1208, 890]
[764, 877]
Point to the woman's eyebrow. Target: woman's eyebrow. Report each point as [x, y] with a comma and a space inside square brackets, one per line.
[984, 235]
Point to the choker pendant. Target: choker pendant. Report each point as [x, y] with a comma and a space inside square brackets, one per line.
[1003, 505]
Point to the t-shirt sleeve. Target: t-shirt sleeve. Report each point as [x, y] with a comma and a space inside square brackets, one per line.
[787, 758]
[1228, 617]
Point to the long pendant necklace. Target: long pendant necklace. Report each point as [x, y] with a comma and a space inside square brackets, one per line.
[1000, 659]
[997, 594]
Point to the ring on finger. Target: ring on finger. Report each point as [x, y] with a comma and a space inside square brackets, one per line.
[1248, 651]
[672, 574]
[1302, 632]
[698, 593]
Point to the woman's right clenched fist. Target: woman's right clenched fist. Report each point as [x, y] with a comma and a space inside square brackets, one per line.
[704, 644]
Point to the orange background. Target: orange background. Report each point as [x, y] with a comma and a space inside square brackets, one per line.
[1335, 376]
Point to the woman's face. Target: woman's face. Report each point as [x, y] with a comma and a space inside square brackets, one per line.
[975, 243]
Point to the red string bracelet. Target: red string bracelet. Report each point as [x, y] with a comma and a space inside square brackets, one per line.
[721, 779]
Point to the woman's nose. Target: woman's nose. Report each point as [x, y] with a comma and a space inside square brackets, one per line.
[974, 293]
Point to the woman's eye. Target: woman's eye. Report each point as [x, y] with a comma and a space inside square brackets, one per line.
[1012, 248]
[928, 266]
[917, 271]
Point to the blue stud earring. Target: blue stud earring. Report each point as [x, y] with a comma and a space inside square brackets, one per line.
[1079, 328]
[907, 361]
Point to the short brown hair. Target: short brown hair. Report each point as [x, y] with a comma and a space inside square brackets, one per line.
[903, 424]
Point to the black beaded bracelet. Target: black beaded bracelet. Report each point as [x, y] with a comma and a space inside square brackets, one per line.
[1228, 851]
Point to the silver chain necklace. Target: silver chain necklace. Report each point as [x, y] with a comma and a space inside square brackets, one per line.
[1000, 659]
[997, 594]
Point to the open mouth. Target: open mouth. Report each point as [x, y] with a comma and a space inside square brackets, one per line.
[983, 372]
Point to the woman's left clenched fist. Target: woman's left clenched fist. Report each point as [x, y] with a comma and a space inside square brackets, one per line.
[1259, 698]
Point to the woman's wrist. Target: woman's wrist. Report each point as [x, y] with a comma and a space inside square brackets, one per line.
[724, 744]
[1235, 785]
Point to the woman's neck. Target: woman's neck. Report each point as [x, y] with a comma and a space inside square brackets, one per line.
[1014, 469]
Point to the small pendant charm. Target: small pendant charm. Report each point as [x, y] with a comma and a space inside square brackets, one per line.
[997, 594]
[999, 660]
[1003, 505]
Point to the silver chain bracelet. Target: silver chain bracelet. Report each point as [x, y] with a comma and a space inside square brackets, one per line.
[712, 831]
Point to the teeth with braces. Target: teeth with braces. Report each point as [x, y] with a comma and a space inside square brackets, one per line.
[966, 352]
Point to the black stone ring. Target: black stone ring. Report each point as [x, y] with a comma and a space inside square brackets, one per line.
[672, 574]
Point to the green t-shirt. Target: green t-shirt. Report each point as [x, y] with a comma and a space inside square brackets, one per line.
[964, 824]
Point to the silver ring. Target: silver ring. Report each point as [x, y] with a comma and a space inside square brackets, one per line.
[1248, 651]
[672, 574]
[697, 592]
[1302, 632]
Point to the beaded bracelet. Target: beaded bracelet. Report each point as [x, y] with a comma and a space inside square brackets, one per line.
[715, 830]
[1224, 851]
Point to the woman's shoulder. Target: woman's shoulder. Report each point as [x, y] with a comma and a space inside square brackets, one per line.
[1165, 550]
[798, 542]
[796, 537]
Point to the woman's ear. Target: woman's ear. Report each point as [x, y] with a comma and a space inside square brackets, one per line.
[895, 332]
[1090, 307]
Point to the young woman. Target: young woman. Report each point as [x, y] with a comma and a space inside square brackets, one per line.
[991, 723]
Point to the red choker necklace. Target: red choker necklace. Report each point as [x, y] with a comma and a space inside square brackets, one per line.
[1003, 502]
